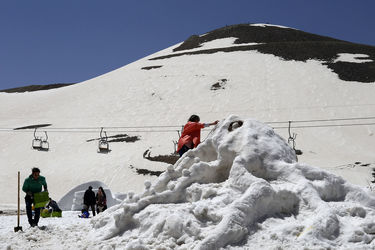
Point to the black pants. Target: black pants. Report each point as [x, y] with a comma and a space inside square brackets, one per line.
[32, 221]
[92, 208]
[183, 150]
[100, 209]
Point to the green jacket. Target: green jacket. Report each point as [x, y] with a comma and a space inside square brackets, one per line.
[34, 186]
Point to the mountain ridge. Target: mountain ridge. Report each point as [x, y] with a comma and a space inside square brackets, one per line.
[289, 44]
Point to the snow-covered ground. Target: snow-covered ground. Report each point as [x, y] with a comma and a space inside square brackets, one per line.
[151, 105]
[67, 232]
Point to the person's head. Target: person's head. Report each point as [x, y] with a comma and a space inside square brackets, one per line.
[102, 191]
[194, 118]
[90, 187]
[35, 172]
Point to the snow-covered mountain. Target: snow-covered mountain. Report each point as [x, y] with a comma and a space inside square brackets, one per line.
[270, 73]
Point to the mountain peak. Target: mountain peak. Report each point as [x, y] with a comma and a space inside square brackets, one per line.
[289, 44]
[252, 33]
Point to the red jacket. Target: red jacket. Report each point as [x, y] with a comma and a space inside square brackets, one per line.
[190, 134]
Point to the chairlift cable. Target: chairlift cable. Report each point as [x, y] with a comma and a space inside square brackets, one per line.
[142, 129]
[323, 120]
[328, 125]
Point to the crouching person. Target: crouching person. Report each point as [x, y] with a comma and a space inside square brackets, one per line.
[84, 214]
[52, 206]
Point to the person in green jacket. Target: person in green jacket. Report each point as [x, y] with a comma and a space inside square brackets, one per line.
[33, 184]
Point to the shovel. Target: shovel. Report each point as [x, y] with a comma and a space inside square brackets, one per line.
[18, 228]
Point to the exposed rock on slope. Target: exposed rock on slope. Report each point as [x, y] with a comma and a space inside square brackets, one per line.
[31, 88]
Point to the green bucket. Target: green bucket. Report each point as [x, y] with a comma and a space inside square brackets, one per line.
[56, 214]
[41, 199]
[45, 213]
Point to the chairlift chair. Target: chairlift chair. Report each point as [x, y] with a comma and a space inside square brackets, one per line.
[292, 140]
[37, 142]
[103, 145]
[45, 143]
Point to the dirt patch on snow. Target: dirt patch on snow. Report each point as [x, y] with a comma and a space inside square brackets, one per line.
[33, 126]
[119, 138]
[219, 85]
[170, 159]
[151, 67]
[31, 88]
[144, 171]
[11, 212]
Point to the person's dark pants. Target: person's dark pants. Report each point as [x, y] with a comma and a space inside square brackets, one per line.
[183, 150]
[32, 221]
[100, 209]
[87, 207]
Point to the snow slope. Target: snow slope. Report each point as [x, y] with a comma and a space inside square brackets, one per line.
[142, 102]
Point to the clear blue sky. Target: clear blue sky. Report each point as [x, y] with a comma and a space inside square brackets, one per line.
[66, 41]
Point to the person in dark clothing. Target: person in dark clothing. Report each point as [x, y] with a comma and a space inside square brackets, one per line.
[89, 200]
[101, 200]
[33, 184]
[52, 206]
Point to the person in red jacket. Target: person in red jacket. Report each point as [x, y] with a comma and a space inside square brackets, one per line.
[191, 134]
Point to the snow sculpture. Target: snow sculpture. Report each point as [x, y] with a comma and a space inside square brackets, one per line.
[243, 177]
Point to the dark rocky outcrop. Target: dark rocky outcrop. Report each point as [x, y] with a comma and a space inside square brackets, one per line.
[32, 88]
[289, 44]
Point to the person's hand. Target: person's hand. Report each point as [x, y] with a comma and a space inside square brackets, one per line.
[215, 122]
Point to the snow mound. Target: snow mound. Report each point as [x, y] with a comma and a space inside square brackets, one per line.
[241, 187]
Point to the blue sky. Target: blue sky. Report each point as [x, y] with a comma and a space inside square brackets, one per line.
[67, 41]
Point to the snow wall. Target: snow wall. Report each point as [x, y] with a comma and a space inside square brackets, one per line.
[241, 187]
